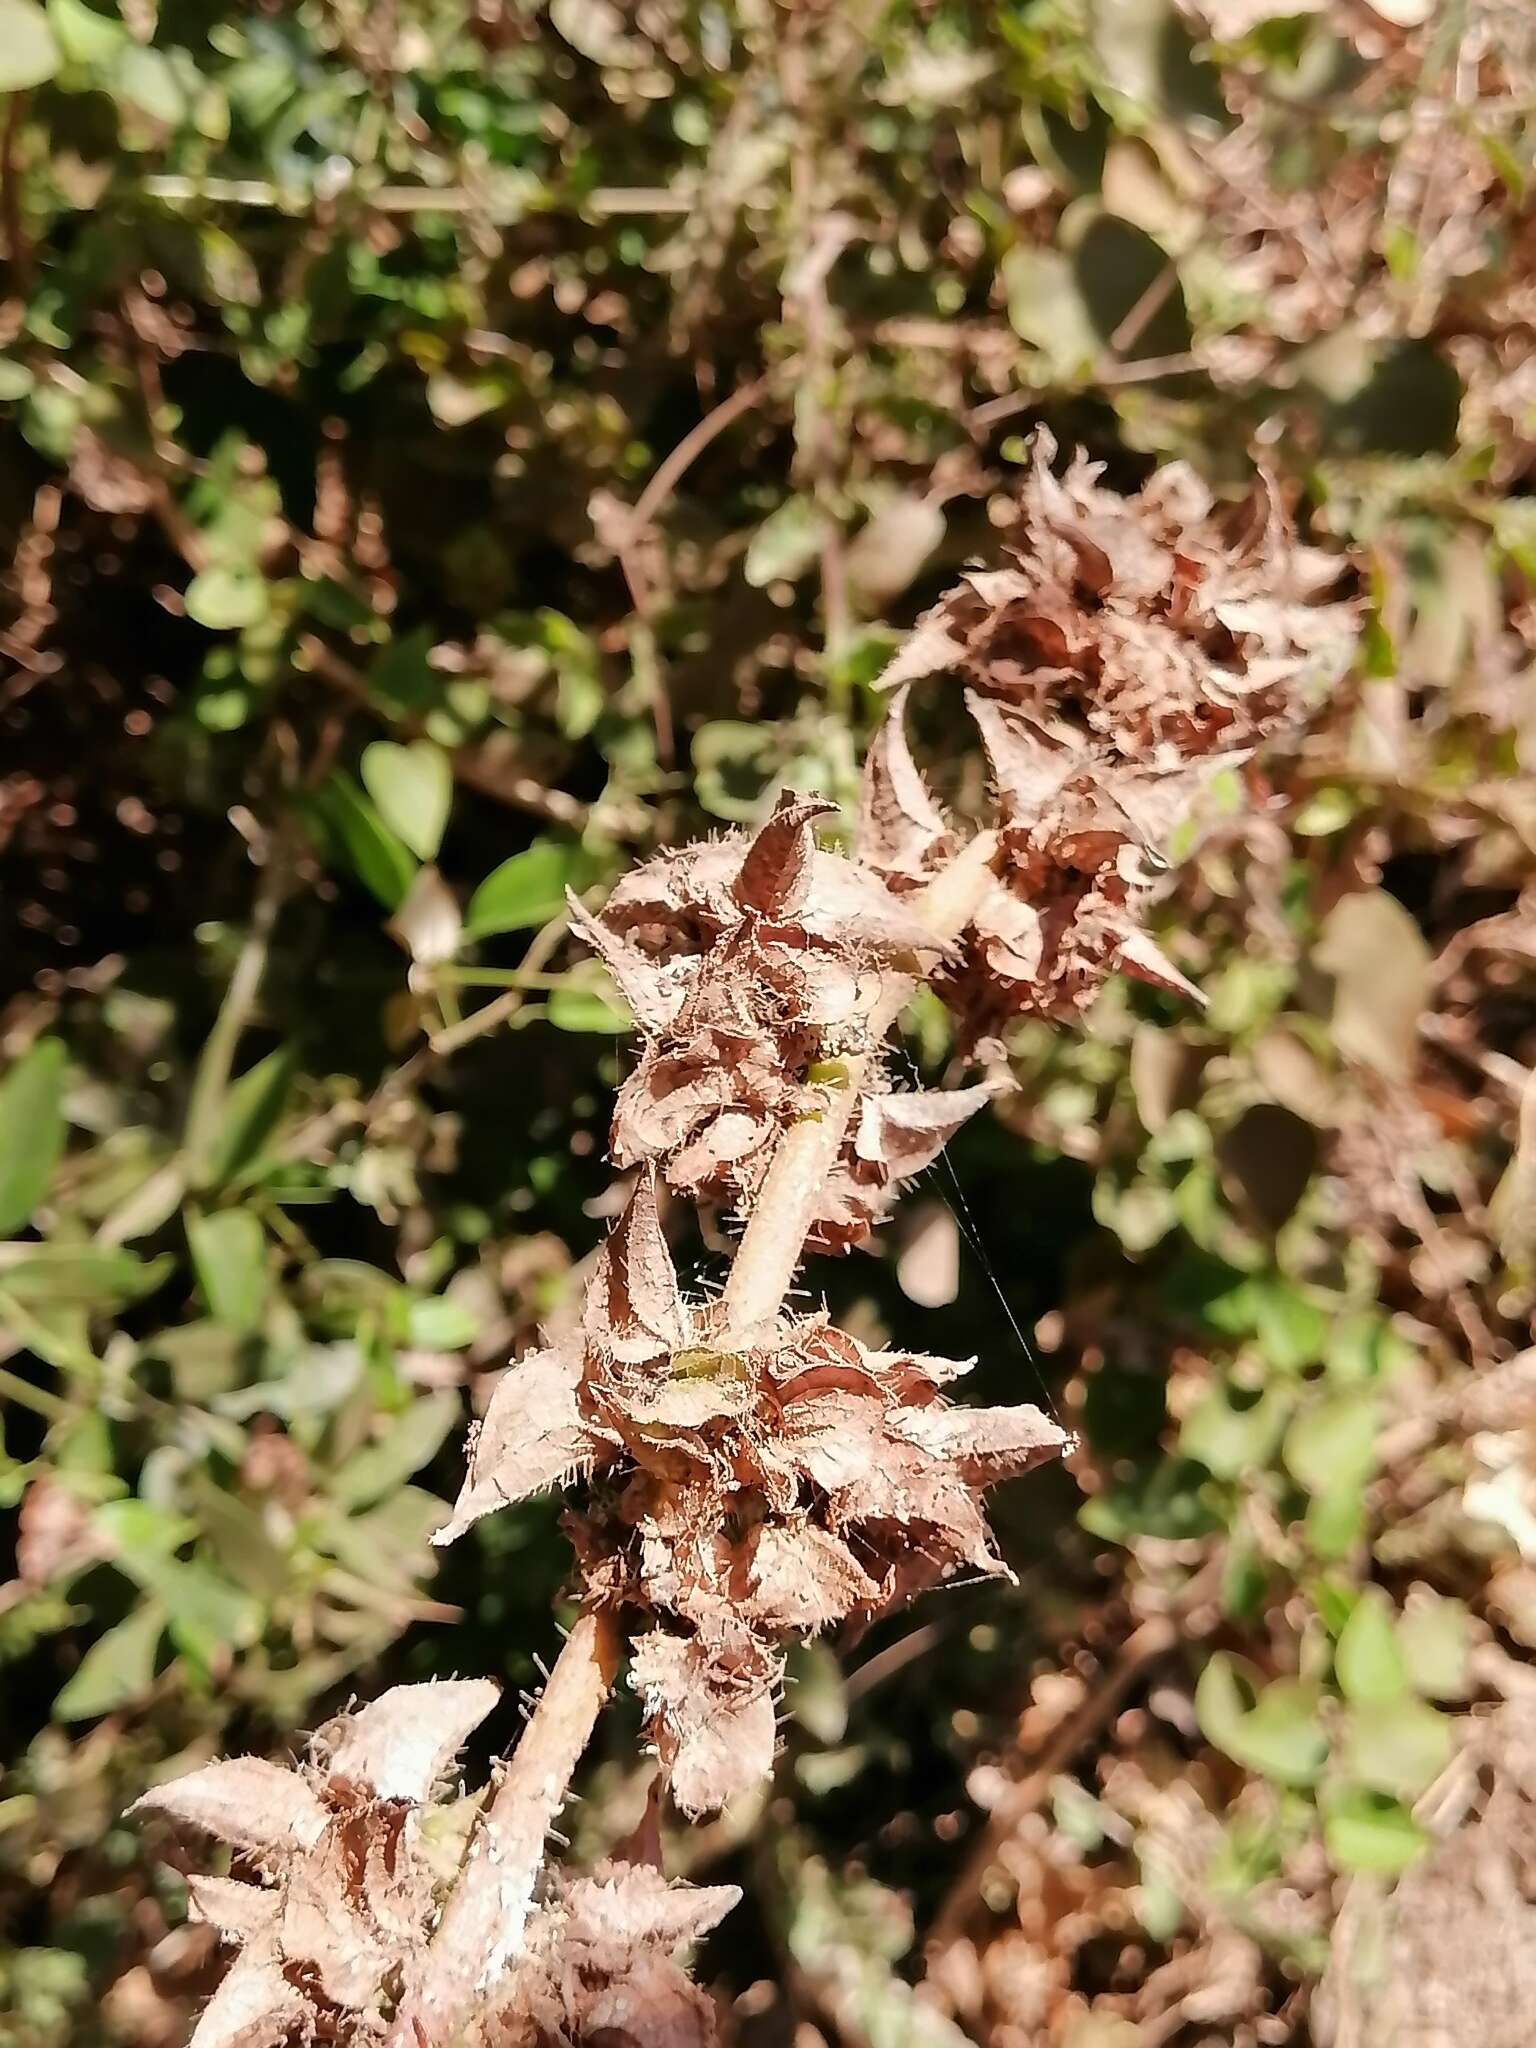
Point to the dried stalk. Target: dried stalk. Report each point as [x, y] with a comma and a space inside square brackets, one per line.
[482, 1925]
[773, 1242]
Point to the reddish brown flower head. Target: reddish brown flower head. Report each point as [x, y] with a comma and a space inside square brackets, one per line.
[741, 1495]
[752, 965]
[1129, 660]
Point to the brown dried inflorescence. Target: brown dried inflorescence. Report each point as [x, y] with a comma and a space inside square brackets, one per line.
[1135, 652]
[744, 1495]
[599, 1964]
[342, 1878]
[753, 965]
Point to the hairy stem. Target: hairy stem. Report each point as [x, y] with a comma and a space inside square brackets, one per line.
[481, 1930]
[773, 1243]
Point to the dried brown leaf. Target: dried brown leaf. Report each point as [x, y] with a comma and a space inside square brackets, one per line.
[269, 1813]
[531, 1438]
[399, 1745]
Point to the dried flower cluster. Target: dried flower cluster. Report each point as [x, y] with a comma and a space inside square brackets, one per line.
[752, 1476]
[342, 1872]
[347, 1857]
[1136, 650]
[741, 1495]
[600, 1963]
[754, 966]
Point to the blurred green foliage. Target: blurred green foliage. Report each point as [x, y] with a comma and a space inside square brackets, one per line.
[449, 450]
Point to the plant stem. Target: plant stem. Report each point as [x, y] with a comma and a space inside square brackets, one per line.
[773, 1243]
[481, 1930]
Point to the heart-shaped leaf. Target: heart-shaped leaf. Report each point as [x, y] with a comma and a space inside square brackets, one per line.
[413, 788]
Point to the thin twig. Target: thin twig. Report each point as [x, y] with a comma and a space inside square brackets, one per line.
[1154, 1639]
[773, 1243]
[18, 249]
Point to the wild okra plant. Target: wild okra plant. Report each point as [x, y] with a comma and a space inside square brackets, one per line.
[742, 1473]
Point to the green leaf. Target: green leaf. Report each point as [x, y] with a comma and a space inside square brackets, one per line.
[1368, 1661]
[787, 543]
[1369, 1832]
[119, 1667]
[31, 1128]
[225, 600]
[207, 1616]
[525, 891]
[373, 852]
[1230, 1439]
[147, 80]
[410, 1440]
[1332, 1444]
[1046, 308]
[29, 50]
[229, 1251]
[573, 1007]
[1398, 1747]
[413, 789]
[440, 1324]
[1274, 1730]
[1436, 1638]
[1382, 971]
[250, 1110]
[84, 36]
[62, 1275]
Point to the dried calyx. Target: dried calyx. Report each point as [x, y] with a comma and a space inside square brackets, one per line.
[748, 1488]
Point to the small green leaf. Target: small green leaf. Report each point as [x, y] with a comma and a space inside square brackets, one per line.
[525, 891]
[1369, 1832]
[1398, 1747]
[147, 80]
[373, 852]
[225, 600]
[1274, 1730]
[440, 1324]
[1436, 1638]
[63, 1275]
[586, 1008]
[413, 789]
[31, 1128]
[1331, 1446]
[1368, 1662]
[84, 36]
[410, 1440]
[250, 1110]
[1230, 1439]
[787, 543]
[229, 1250]
[207, 1615]
[119, 1667]
[29, 50]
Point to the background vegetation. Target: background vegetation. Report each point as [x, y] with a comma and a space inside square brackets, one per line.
[499, 439]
